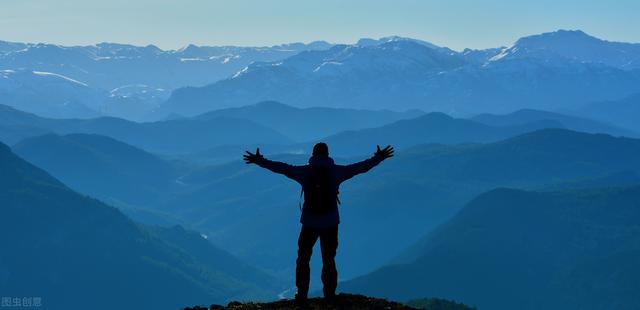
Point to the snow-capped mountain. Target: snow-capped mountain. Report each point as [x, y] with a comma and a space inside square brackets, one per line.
[8, 47]
[49, 94]
[362, 75]
[551, 71]
[559, 70]
[132, 79]
[366, 42]
[573, 46]
[110, 65]
[480, 56]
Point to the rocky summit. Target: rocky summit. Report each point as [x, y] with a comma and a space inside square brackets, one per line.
[342, 301]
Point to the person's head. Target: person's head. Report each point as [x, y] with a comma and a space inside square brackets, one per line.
[321, 149]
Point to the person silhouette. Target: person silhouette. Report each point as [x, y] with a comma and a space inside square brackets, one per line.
[320, 180]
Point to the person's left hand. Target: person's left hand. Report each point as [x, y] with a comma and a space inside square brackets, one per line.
[251, 158]
[384, 153]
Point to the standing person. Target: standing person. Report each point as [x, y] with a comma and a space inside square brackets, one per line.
[320, 180]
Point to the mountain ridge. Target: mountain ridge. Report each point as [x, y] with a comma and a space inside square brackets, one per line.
[104, 68]
[562, 245]
[391, 72]
[404, 74]
[175, 136]
[95, 165]
[576, 46]
[416, 191]
[571, 122]
[65, 240]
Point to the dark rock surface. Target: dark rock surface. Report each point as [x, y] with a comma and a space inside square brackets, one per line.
[342, 301]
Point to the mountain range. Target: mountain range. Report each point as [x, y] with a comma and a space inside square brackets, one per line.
[253, 212]
[514, 185]
[511, 249]
[70, 251]
[436, 128]
[117, 79]
[583, 124]
[102, 167]
[175, 136]
[562, 69]
[220, 135]
[137, 170]
[304, 124]
[623, 112]
[564, 245]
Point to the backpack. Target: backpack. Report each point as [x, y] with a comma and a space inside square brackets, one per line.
[321, 193]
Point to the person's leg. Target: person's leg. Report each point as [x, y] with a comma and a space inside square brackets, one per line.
[329, 246]
[306, 241]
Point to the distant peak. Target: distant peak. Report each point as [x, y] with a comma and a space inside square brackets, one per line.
[153, 48]
[272, 103]
[187, 48]
[567, 32]
[574, 46]
[366, 42]
[437, 115]
[567, 36]
[319, 44]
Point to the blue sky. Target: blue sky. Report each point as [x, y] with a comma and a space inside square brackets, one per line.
[174, 23]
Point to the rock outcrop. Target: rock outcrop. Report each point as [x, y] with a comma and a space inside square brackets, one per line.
[342, 301]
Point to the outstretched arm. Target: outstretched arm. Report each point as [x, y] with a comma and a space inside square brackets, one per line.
[352, 170]
[290, 171]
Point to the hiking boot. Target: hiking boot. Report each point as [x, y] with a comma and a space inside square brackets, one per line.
[330, 299]
[301, 300]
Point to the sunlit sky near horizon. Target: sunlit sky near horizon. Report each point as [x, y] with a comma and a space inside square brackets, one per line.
[171, 24]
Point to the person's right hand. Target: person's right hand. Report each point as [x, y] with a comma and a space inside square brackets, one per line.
[384, 153]
[252, 158]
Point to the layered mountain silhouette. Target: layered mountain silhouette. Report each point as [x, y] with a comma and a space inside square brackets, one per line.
[437, 128]
[531, 250]
[310, 123]
[169, 137]
[428, 128]
[121, 179]
[220, 135]
[71, 251]
[136, 180]
[527, 116]
[623, 112]
[452, 174]
[103, 167]
[422, 187]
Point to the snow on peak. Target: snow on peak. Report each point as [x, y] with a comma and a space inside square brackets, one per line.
[574, 46]
[326, 65]
[241, 72]
[367, 42]
[51, 74]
